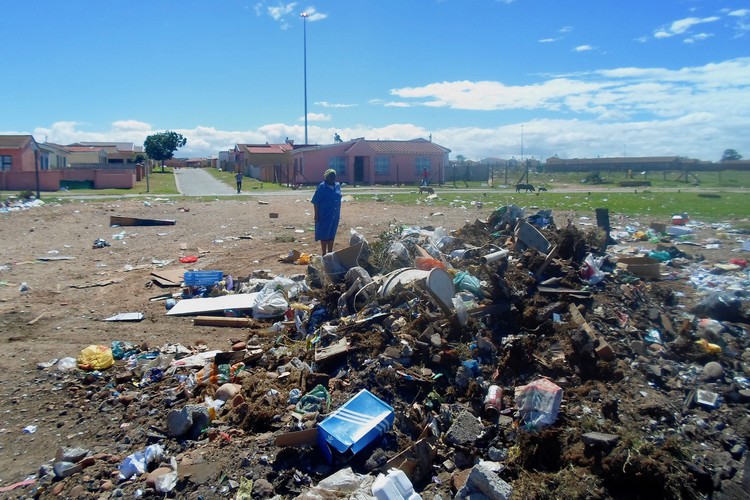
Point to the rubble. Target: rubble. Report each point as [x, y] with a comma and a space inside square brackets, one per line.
[376, 364]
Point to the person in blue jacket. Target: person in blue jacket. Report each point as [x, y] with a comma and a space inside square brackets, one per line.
[327, 203]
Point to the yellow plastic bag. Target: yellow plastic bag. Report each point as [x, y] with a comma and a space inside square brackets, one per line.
[95, 357]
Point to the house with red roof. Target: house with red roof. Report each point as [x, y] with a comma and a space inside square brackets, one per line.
[265, 162]
[363, 161]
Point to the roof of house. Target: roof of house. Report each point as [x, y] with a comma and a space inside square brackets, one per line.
[414, 146]
[14, 141]
[84, 149]
[266, 148]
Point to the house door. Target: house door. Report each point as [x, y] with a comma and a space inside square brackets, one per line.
[359, 169]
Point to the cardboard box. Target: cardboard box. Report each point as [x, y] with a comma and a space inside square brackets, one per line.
[643, 267]
[353, 426]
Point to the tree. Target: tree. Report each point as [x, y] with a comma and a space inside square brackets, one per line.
[161, 146]
[730, 155]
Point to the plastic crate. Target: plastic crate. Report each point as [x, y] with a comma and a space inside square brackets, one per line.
[202, 278]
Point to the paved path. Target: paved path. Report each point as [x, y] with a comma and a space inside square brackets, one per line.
[198, 182]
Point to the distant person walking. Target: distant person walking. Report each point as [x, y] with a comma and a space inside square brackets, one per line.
[425, 176]
[327, 203]
[238, 178]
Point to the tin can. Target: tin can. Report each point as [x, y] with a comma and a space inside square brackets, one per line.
[493, 402]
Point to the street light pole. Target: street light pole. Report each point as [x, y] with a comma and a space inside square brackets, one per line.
[304, 46]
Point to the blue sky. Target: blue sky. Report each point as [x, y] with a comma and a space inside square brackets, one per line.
[484, 78]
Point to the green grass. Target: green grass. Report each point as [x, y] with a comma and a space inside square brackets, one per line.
[248, 184]
[726, 179]
[644, 204]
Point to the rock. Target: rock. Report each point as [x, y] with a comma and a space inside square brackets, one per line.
[465, 429]
[483, 480]
[106, 485]
[600, 440]
[227, 392]
[70, 454]
[57, 489]
[638, 347]
[154, 475]
[76, 491]
[66, 469]
[188, 421]
[263, 488]
[179, 422]
[239, 346]
[712, 371]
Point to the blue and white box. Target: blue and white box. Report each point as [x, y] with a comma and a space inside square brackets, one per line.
[353, 426]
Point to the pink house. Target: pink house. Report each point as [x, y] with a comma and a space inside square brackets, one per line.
[361, 161]
[25, 165]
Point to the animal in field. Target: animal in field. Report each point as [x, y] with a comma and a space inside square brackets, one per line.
[426, 189]
[527, 187]
[541, 188]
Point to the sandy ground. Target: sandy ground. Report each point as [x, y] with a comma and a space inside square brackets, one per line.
[70, 287]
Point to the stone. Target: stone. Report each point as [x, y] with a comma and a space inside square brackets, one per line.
[227, 392]
[57, 489]
[76, 491]
[638, 347]
[600, 440]
[466, 429]
[66, 469]
[239, 346]
[106, 485]
[712, 371]
[485, 481]
[70, 454]
[263, 488]
[155, 474]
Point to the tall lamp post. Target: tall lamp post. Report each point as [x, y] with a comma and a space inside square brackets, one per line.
[304, 46]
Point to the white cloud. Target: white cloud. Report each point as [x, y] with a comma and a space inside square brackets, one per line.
[682, 26]
[583, 48]
[547, 40]
[326, 104]
[317, 117]
[695, 111]
[740, 13]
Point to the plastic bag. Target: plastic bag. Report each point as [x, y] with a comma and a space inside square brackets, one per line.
[539, 402]
[95, 357]
[591, 269]
[428, 263]
[317, 400]
[462, 313]
[465, 281]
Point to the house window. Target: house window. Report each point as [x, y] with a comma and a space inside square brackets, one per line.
[382, 165]
[6, 161]
[44, 163]
[421, 163]
[338, 163]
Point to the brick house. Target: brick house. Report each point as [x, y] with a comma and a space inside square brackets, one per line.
[362, 161]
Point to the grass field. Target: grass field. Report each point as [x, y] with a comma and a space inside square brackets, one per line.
[717, 207]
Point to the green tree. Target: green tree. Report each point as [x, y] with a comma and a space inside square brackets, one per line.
[161, 146]
[730, 155]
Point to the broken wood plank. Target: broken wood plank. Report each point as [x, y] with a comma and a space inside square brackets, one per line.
[118, 220]
[222, 321]
[551, 255]
[333, 350]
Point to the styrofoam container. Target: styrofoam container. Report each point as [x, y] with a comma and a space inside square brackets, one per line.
[394, 486]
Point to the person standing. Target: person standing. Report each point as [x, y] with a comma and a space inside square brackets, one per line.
[425, 176]
[238, 178]
[327, 204]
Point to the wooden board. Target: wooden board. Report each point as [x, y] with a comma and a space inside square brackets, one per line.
[118, 220]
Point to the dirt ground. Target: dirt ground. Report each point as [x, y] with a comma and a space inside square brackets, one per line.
[69, 288]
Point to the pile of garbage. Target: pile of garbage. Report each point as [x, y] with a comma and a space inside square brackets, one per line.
[508, 357]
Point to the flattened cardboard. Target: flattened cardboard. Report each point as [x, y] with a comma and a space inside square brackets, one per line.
[187, 307]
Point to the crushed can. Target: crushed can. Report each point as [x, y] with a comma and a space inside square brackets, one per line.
[493, 401]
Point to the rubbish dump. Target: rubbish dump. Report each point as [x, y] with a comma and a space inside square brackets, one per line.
[510, 355]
